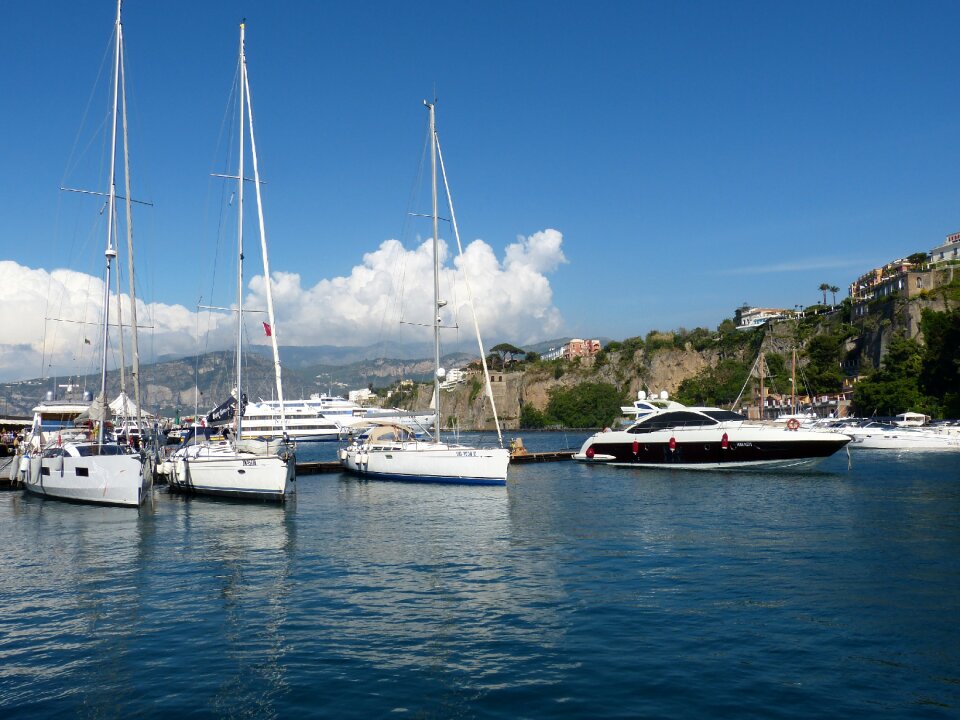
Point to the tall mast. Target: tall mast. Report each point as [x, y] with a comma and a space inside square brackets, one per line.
[239, 410]
[436, 269]
[263, 248]
[110, 252]
[762, 369]
[793, 382]
[135, 348]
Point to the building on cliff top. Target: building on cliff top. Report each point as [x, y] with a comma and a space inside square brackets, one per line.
[747, 317]
[576, 348]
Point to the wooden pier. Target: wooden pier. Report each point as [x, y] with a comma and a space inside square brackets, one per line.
[320, 466]
[539, 457]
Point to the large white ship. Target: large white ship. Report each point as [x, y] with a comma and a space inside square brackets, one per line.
[305, 422]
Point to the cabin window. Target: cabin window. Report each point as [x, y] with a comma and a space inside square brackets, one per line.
[105, 449]
[83, 472]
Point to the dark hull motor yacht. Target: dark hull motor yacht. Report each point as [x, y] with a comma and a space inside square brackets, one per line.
[703, 438]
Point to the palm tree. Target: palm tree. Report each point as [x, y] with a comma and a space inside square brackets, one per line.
[834, 290]
[824, 287]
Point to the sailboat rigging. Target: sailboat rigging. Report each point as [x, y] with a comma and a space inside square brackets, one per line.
[242, 467]
[391, 452]
[77, 466]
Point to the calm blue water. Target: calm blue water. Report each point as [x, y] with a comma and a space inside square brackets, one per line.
[575, 592]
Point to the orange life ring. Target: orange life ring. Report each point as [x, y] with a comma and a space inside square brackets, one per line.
[793, 424]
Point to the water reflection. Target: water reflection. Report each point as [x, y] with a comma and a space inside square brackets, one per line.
[233, 563]
[72, 578]
[574, 591]
[401, 582]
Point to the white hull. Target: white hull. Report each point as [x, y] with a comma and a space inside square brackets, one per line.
[109, 479]
[213, 470]
[428, 462]
[905, 440]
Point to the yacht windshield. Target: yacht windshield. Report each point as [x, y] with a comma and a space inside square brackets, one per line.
[663, 421]
[724, 415]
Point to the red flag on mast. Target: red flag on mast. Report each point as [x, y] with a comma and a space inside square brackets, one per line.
[267, 329]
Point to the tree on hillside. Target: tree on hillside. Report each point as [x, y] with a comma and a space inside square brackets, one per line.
[824, 287]
[894, 388]
[504, 349]
[833, 291]
[940, 367]
[718, 385]
[823, 370]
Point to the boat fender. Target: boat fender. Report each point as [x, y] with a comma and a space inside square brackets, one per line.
[724, 442]
[636, 447]
[793, 424]
[673, 444]
[590, 452]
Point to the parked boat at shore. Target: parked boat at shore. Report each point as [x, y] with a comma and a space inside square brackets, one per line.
[303, 422]
[879, 435]
[392, 452]
[705, 438]
[337, 415]
[239, 466]
[84, 464]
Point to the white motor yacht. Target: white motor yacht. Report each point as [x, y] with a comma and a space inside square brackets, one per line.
[304, 423]
[878, 435]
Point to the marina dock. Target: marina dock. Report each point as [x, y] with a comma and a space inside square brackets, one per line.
[330, 466]
[541, 457]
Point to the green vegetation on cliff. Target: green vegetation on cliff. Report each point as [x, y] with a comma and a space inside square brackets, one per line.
[923, 378]
[587, 405]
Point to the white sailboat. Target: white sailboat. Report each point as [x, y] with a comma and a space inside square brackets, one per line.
[239, 467]
[84, 466]
[390, 451]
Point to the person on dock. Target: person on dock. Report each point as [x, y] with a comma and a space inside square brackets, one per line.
[517, 448]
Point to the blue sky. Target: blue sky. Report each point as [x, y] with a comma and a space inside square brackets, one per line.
[693, 156]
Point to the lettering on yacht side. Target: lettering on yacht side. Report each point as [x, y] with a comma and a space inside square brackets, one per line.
[248, 463]
[466, 453]
[744, 444]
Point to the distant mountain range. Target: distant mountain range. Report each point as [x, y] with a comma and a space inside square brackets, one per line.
[173, 383]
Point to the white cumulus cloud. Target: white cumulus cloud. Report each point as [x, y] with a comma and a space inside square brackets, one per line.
[390, 286]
